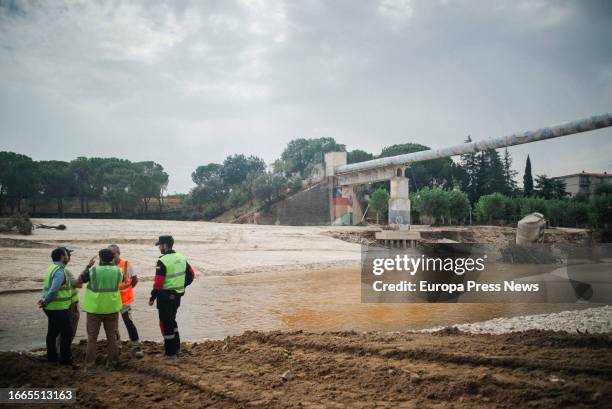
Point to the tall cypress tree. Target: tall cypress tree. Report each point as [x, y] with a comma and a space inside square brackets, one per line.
[528, 179]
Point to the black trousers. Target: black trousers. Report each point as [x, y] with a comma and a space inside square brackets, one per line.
[59, 324]
[126, 315]
[168, 303]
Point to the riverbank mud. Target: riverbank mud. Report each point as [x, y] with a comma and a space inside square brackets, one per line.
[344, 369]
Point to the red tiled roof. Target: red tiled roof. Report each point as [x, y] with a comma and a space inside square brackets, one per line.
[601, 175]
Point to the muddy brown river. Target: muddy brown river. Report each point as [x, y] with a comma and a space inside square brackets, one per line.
[249, 278]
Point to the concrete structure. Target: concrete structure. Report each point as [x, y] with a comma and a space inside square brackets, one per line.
[342, 177]
[584, 182]
[310, 207]
[398, 238]
[399, 205]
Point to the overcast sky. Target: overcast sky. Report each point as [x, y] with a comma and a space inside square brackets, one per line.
[186, 83]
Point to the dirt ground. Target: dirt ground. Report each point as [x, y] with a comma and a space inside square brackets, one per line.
[344, 369]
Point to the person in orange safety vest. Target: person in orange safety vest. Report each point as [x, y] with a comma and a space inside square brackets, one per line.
[126, 290]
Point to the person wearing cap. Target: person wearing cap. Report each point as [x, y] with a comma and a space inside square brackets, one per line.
[56, 301]
[73, 311]
[126, 289]
[172, 275]
[102, 304]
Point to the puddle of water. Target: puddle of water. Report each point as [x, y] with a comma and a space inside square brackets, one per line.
[215, 307]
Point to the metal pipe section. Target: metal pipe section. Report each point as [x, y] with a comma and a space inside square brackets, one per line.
[555, 131]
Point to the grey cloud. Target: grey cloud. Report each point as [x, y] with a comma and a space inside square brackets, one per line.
[216, 78]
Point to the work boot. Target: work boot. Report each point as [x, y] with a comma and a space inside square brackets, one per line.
[71, 364]
[138, 352]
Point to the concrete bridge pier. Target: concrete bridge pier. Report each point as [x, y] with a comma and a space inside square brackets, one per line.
[343, 206]
[399, 201]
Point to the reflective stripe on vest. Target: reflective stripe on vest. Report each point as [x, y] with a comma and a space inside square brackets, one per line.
[176, 266]
[125, 287]
[102, 293]
[63, 297]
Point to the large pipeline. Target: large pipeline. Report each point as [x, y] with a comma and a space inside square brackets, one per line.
[555, 131]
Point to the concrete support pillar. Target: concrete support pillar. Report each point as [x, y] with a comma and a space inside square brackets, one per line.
[341, 206]
[399, 202]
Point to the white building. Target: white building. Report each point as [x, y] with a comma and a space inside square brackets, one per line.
[584, 182]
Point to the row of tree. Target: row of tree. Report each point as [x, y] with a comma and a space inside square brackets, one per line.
[595, 210]
[453, 207]
[236, 181]
[127, 187]
[240, 179]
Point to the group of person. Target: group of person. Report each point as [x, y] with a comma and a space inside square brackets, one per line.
[109, 292]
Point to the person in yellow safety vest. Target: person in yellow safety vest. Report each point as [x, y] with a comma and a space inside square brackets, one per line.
[126, 289]
[172, 275]
[74, 313]
[55, 302]
[102, 303]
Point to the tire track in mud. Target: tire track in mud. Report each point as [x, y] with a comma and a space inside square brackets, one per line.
[183, 380]
[422, 354]
[418, 380]
[334, 369]
[375, 376]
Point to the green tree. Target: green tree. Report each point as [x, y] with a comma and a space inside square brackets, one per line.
[458, 206]
[300, 153]
[578, 213]
[236, 168]
[509, 175]
[549, 188]
[357, 155]
[268, 188]
[471, 167]
[434, 202]
[81, 171]
[239, 195]
[294, 184]
[17, 177]
[527, 179]
[201, 175]
[213, 192]
[56, 182]
[531, 205]
[544, 187]
[492, 207]
[495, 180]
[379, 202]
[436, 172]
[604, 189]
[556, 211]
[119, 176]
[149, 182]
[602, 210]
